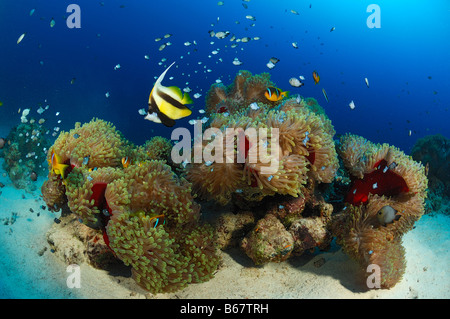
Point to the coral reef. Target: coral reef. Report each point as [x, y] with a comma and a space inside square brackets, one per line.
[144, 212]
[298, 144]
[158, 232]
[158, 148]
[24, 155]
[274, 163]
[245, 89]
[299, 155]
[85, 192]
[290, 226]
[92, 145]
[231, 228]
[382, 176]
[434, 153]
[54, 193]
[268, 241]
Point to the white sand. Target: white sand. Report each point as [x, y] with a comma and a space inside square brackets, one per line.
[25, 274]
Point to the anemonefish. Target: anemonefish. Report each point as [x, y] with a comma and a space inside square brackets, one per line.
[387, 215]
[316, 77]
[153, 219]
[275, 94]
[126, 161]
[158, 220]
[57, 165]
[167, 104]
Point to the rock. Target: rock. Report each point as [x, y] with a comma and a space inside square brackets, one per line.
[42, 251]
[76, 243]
[309, 233]
[269, 241]
[231, 228]
[319, 262]
[65, 247]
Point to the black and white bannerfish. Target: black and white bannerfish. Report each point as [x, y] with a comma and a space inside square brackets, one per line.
[167, 104]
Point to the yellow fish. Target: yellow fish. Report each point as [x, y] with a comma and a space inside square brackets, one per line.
[126, 161]
[167, 104]
[57, 165]
[316, 77]
[275, 94]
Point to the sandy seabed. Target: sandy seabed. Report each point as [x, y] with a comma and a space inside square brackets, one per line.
[28, 268]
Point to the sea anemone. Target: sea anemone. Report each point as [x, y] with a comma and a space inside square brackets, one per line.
[382, 176]
[297, 143]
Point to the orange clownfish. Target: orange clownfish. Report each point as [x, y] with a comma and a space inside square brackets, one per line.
[275, 94]
[316, 77]
[158, 220]
[57, 165]
[126, 161]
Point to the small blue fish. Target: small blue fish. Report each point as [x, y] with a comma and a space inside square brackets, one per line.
[306, 139]
[392, 165]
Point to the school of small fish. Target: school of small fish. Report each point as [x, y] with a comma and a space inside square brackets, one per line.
[217, 35]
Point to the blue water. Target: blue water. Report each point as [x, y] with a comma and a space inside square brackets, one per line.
[398, 59]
